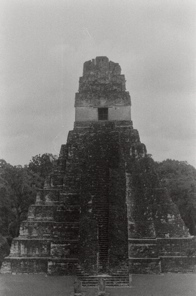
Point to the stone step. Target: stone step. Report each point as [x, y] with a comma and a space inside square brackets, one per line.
[47, 196]
[24, 265]
[62, 249]
[62, 266]
[22, 247]
[56, 195]
[69, 198]
[69, 213]
[175, 247]
[40, 212]
[109, 280]
[143, 249]
[49, 229]
[53, 212]
[144, 265]
[182, 264]
[33, 265]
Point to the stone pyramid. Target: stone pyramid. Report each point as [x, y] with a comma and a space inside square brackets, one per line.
[102, 213]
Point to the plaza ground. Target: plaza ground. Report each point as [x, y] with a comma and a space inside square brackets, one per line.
[142, 285]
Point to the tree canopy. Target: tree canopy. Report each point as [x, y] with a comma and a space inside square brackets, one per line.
[43, 164]
[18, 186]
[179, 178]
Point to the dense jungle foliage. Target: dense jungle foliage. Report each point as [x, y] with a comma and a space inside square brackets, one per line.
[18, 187]
[180, 180]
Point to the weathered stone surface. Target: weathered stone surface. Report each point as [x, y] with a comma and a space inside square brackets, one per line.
[178, 264]
[144, 265]
[48, 240]
[102, 211]
[62, 266]
[102, 86]
[4, 248]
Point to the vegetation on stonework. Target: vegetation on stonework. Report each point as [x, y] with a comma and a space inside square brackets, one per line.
[18, 186]
[144, 180]
[180, 180]
[178, 177]
[4, 248]
[145, 174]
[43, 164]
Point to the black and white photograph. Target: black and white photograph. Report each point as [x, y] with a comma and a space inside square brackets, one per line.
[97, 148]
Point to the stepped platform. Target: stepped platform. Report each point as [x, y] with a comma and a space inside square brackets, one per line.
[48, 240]
[34, 265]
[160, 255]
[116, 278]
[103, 211]
[110, 281]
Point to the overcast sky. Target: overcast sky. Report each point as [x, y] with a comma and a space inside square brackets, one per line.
[44, 43]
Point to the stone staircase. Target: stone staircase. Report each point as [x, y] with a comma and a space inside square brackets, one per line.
[119, 278]
[48, 241]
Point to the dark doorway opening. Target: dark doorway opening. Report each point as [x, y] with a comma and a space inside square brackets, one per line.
[102, 113]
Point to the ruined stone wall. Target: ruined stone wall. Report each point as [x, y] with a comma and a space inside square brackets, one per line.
[94, 155]
[153, 214]
[114, 113]
[158, 238]
[120, 199]
[102, 86]
[103, 209]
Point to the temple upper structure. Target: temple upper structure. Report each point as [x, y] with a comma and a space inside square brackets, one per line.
[102, 94]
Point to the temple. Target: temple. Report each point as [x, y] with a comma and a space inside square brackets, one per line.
[102, 212]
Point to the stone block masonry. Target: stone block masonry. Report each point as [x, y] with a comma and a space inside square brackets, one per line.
[48, 240]
[102, 212]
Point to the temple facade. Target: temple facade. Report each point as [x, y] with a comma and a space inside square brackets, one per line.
[102, 213]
